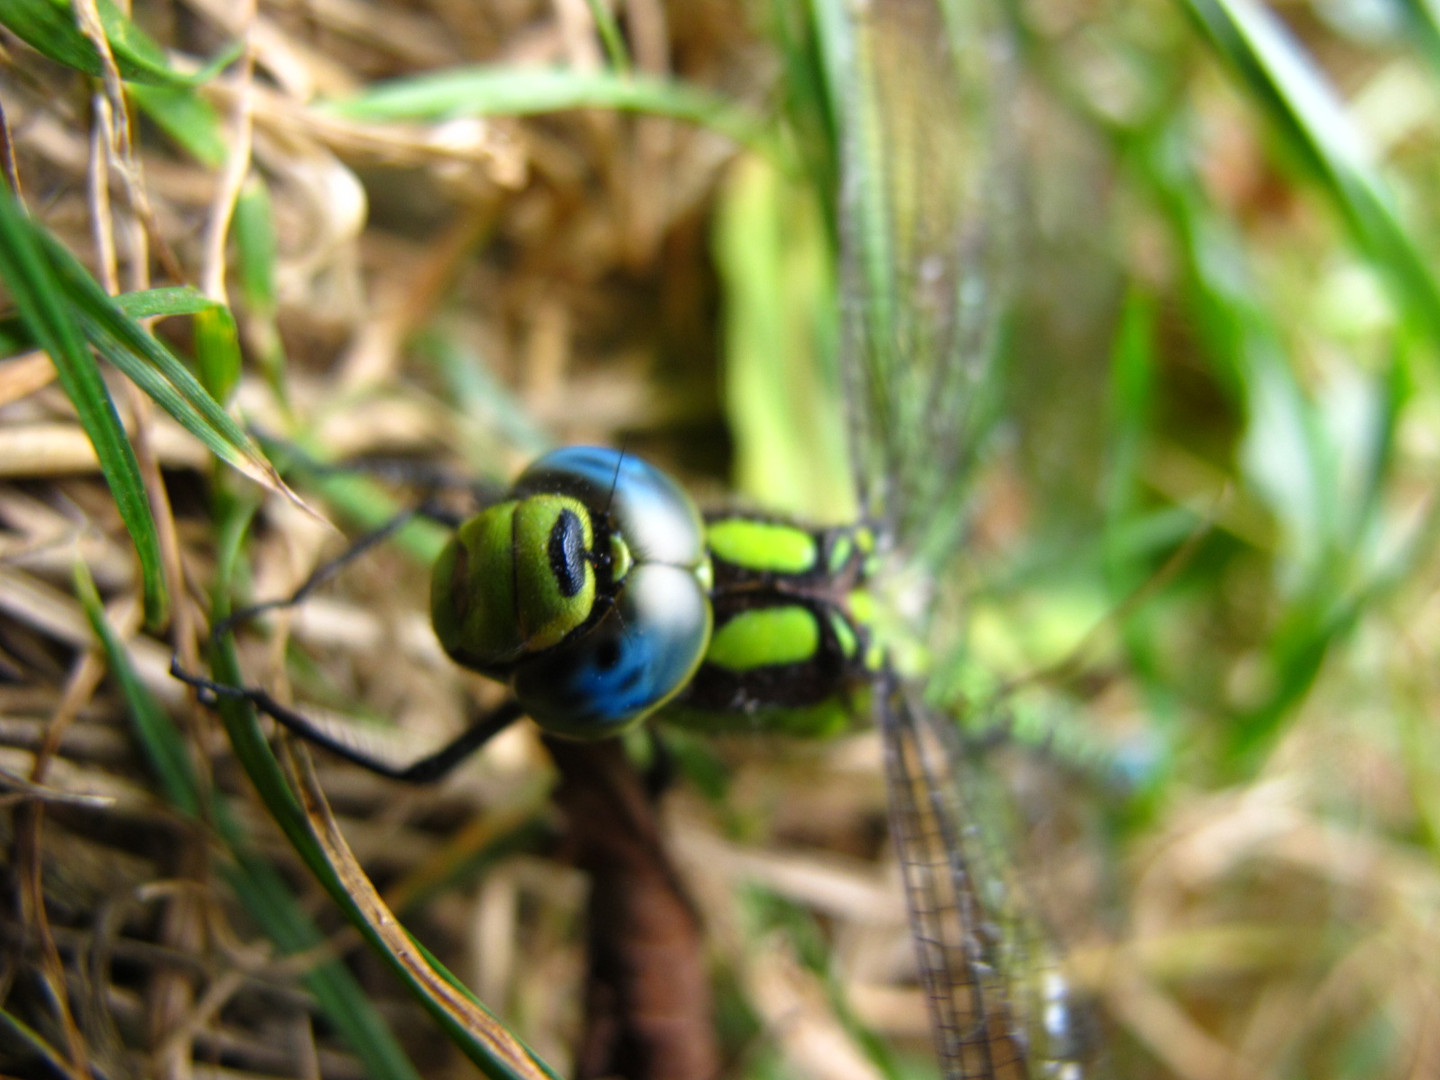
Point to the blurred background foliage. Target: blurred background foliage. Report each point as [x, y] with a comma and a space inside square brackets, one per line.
[1201, 580]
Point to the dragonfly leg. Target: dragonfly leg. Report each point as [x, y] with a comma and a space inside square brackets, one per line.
[428, 769]
[327, 570]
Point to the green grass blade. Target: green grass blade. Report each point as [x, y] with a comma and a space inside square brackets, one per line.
[154, 368]
[217, 352]
[109, 323]
[49, 27]
[164, 301]
[343, 1000]
[1422, 28]
[610, 36]
[1318, 475]
[151, 303]
[259, 888]
[256, 757]
[42, 299]
[809, 113]
[186, 117]
[508, 91]
[217, 342]
[774, 256]
[1285, 83]
[253, 230]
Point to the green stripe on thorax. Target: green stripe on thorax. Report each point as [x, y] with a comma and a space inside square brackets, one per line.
[762, 546]
[765, 637]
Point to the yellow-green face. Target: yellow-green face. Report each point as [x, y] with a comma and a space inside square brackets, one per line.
[514, 580]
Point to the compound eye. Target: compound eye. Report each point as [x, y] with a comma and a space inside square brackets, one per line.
[649, 509]
[634, 659]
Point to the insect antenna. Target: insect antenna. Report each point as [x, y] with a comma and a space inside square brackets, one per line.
[601, 557]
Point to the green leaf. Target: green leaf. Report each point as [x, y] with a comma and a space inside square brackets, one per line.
[782, 399]
[156, 370]
[261, 891]
[1290, 88]
[218, 346]
[253, 230]
[1422, 29]
[610, 36]
[42, 299]
[49, 27]
[187, 118]
[508, 91]
[217, 351]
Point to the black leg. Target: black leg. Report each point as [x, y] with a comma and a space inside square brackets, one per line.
[336, 737]
[425, 770]
[325, 571]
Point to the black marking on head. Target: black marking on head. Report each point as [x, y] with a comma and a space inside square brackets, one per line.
[599, 555]
[566, 550]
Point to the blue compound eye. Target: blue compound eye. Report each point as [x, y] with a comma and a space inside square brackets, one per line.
[638, 656]
[649, 510]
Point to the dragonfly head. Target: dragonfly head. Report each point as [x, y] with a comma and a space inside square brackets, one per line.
[587, 590]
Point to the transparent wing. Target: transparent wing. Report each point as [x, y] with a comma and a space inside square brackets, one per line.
[926, 246]
[998, 1003]
[926, 222]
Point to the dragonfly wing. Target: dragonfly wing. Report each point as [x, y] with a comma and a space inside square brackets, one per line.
[998, 1004]
[926, 246]
[926, 97]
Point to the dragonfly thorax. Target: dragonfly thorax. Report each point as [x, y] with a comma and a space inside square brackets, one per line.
[792, 649]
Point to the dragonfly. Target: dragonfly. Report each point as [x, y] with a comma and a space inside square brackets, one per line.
[598, 594]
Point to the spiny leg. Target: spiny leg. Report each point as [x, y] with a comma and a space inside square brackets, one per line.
[327, 570]
[425, 770]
